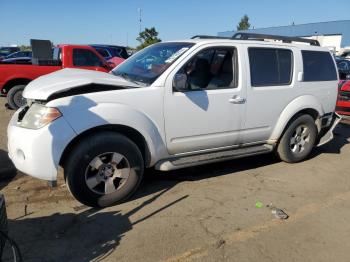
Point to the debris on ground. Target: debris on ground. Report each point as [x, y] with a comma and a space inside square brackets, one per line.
[220, 243]
[259, 204]
[279, 213]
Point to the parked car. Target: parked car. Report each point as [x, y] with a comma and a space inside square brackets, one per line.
[116, 60]
[5, 51]
[110, 51]
[343, 102]
[17, 60]
[20, 54]
[343, 68]
[14, 77]
[174, 105]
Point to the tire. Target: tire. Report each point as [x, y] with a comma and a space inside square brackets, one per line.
[83, 169]
[298, 139]
[14, 97]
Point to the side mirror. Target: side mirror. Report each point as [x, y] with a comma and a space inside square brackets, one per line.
[180, 82]
[347, 77]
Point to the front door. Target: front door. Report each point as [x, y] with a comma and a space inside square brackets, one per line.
[207, 113]
[86, 59]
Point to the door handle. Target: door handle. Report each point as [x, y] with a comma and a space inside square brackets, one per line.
[237, 100]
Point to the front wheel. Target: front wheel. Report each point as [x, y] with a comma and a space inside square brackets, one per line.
[15, 98]
[104, 169]
[298, 139]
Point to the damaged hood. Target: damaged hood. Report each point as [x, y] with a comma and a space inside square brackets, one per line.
[70, 80]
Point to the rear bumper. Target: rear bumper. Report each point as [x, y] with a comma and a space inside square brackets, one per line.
[328, 123]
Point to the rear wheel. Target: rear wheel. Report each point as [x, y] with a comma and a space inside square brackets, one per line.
[104, 169]
[15, 98]
[298, 139]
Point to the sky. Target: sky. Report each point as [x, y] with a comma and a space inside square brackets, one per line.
[117, 22]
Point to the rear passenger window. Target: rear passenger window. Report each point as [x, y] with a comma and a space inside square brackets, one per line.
[269, 66]
[318, 66]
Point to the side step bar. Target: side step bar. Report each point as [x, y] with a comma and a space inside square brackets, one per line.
[206, 158]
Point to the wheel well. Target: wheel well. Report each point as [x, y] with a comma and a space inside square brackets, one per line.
[14, 82]
[308, 111]
[129, 132]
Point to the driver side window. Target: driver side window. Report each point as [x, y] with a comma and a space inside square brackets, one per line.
[212, 68]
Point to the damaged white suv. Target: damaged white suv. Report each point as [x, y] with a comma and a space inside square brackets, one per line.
[174, 105]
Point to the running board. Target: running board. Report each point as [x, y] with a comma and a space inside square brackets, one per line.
[200, 159]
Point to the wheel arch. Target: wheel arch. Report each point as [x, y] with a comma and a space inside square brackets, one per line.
[302, 105]
[14, 82]
[127, 131]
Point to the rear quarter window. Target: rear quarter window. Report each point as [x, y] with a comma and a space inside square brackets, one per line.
[318, 66]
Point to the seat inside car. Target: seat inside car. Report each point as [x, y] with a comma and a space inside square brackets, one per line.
[224, 76]
[200, 77]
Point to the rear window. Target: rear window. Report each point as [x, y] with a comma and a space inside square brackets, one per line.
[318, 66]
[270, 66]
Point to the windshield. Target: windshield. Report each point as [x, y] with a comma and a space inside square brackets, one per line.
[148, 64]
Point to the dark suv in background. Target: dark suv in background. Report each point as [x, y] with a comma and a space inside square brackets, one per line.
[110, 51]
[343, 102]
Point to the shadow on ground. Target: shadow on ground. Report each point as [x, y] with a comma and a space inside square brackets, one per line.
[93, 234]
[90, 235]
[7, 169]
[341, 138]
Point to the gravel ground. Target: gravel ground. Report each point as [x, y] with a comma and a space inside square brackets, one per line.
[205, 213]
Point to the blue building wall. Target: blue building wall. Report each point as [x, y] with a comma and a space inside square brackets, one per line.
[322, 28]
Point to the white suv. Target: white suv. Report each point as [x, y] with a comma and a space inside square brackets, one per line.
[174, 105]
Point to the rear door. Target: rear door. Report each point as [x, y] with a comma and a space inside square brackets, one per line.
[271, 85]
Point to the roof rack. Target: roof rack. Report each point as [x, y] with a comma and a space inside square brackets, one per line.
[209, 37]
[285, 39]
[261, 37]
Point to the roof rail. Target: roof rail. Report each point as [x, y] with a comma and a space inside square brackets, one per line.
[209, 37]
[285, 39]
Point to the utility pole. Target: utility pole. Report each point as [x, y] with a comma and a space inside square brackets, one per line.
[140, 18]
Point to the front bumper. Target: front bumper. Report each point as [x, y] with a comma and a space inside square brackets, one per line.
[38, 152]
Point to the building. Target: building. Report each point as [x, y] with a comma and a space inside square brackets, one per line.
[334, 34]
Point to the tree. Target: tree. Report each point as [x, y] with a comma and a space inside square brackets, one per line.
[244, 23]
[148, 37]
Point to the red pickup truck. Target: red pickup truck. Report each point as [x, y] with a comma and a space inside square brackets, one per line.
[14, 77]
[343, 102]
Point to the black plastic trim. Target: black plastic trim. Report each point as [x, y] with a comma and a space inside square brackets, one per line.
[285, 39]
[86, 89]
[261, 37]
